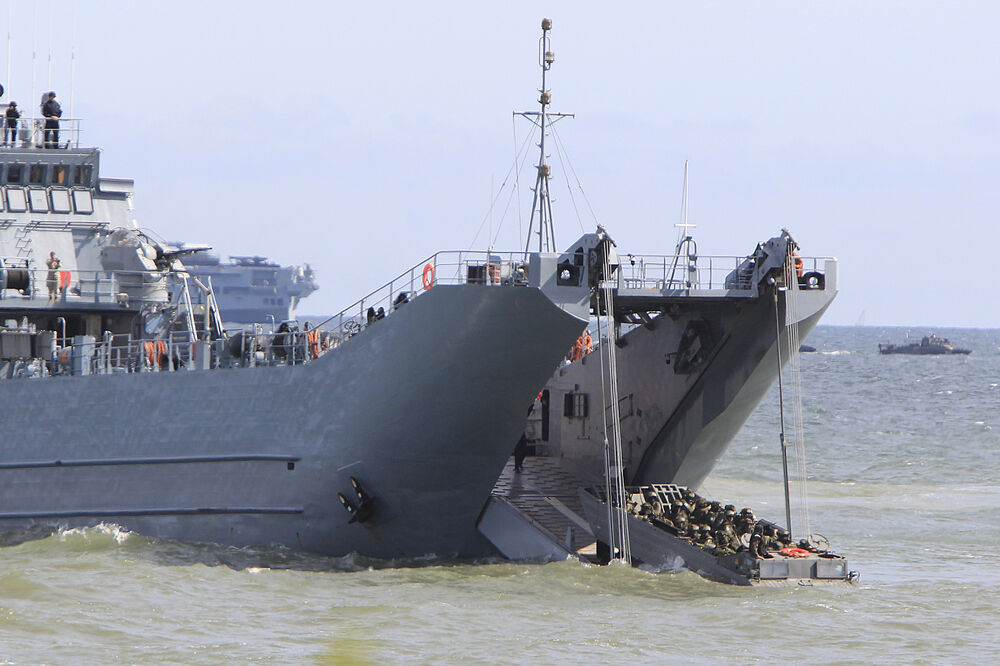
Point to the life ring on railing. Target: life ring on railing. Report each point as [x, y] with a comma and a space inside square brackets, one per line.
[428, 276]
[794, 552]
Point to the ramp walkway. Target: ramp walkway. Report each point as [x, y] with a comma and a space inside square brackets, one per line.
[537, 514]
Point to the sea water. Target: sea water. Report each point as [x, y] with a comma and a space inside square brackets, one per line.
[903, 455]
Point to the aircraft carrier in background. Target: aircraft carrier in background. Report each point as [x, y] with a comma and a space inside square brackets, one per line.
[252, 289]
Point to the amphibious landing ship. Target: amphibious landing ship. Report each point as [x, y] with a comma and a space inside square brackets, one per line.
[680, 350]
[123, 401]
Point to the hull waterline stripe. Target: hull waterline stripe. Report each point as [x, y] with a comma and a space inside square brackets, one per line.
[168, 511]
[172, 460]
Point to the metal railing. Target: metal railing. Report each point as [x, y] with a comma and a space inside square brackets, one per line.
[670, 272]
[19, 280]
[32, 133]
[179, 351]
[449, 267]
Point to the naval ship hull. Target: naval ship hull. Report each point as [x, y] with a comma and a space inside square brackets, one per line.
[677, 424]
[421, 410]
[707, 418]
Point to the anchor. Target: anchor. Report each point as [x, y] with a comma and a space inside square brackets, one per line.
[365, 507]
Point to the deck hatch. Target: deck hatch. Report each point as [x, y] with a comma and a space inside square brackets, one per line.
[39, 202]
[16, 201]
[83, 202]
[60, 201]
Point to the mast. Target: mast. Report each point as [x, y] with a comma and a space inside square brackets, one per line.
[686, 249]
[541, 204]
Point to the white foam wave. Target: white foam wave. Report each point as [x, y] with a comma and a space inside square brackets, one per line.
[116, 532]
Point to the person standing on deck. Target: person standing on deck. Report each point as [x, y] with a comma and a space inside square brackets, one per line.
[52, 112]
[11, 124]
[52, 279]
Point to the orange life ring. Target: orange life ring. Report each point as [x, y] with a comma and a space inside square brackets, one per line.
[795, 552]
[428, 277]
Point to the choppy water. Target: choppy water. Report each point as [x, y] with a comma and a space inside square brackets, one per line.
[903, 454]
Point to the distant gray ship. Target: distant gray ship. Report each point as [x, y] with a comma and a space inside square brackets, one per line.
[928, 345]
[252, 289]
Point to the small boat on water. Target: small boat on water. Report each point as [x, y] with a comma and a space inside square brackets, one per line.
[929, 344]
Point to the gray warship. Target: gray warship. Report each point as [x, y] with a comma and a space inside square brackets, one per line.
[252, 289]
[124, 401]
[695, 341]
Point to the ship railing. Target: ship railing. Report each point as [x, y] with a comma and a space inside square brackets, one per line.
[20, 279]
[32, 133]
[692, 273]
[183, 351]
[121, 353]
[448, 267]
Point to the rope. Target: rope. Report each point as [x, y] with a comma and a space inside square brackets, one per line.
[793, 342]
[514, 169]
[569, 188]
[579, 185]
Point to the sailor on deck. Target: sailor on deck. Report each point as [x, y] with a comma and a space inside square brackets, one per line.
[52, 112]
[10, 128]
[52, 279]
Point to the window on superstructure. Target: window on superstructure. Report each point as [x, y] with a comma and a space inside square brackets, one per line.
[81, 174]
[15, 172]
[60, 174]
[36, 174]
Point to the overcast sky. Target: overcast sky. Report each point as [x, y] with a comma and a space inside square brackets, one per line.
[362, 137]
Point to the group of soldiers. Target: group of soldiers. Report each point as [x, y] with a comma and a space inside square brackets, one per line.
[715, 528]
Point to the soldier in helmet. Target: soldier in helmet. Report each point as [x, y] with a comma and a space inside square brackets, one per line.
[724, 543]
[757, 547]
[655, 504]
[707, 542]
[680, 517]
[726, 532]
[730, 516]
[700, 512]
[771, 542]
[745, 521]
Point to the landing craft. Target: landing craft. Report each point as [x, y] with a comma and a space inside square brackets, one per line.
[124, 400]
[693, 340]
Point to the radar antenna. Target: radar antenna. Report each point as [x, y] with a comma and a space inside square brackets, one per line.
[541, 204]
